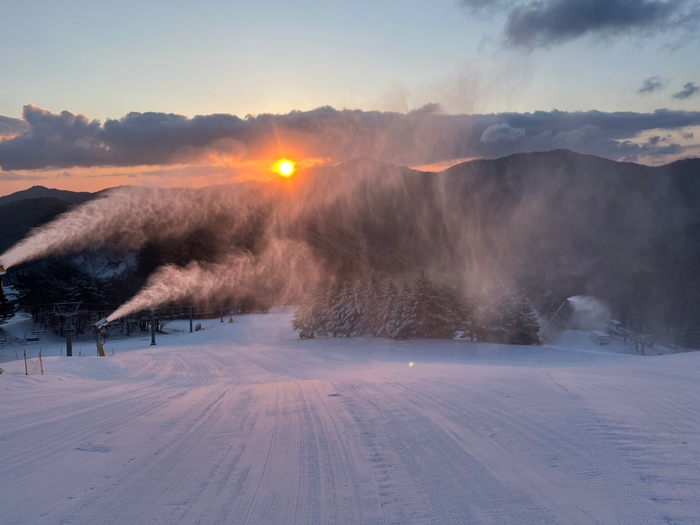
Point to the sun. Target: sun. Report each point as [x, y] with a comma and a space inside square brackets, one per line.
[284, 167]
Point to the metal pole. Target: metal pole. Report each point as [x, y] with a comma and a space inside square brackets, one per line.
[555, 313]
[191, 314]
[69, 342]
[153, 328]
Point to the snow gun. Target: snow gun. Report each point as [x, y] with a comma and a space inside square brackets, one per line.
[102, 323]
[2, 270]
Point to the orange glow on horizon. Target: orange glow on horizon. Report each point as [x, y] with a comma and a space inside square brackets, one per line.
[284, 167]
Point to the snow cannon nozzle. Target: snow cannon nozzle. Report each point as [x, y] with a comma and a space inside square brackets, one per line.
[102, 323]
[2, 270]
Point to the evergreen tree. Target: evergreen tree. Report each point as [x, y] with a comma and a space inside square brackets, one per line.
[335, 305]
[510, 310]
[426, 308]
[388, 317]
[303, 320]
[348, 314]
[371, 299]
[451, 314]
[7, 310]
[466, 312]
[405, 316]
[525, 328]
[319, 312]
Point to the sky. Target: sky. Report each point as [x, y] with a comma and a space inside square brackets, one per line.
[417, 82]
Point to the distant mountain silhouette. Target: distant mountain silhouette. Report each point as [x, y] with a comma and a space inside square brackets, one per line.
[36, 192]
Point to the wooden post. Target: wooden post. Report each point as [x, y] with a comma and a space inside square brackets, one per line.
[153, 328]
[26, 372]
[41, 362]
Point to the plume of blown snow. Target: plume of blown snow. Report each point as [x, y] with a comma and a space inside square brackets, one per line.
[131, 216]
[283, 270]
[589, 312]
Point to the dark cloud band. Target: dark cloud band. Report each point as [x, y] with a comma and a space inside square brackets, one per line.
[424, 136]
[544, 23]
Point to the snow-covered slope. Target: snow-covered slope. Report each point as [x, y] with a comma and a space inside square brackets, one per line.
[245, 423]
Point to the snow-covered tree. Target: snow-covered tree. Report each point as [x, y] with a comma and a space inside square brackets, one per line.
[311, 317]
[335, 305]
[371, 299]
[405, 325]
[525, 328]
[303, 320]
[509, 309]
[319, 312]
[427, 311]
[346, 315]
[451, 313]
[6, 308]
[389, 314]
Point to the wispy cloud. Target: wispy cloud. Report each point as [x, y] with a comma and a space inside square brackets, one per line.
[652, 84]
[689, 90]
[6, 176]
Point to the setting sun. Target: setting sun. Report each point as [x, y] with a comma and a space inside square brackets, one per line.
[284, 167]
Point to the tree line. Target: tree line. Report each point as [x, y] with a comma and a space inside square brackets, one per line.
[421, 310]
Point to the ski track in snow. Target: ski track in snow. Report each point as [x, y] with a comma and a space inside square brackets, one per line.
[245, 424]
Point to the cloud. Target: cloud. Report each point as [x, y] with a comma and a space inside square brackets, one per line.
[689, 90]
[6, 176]
[501, 133]
[9, 127]
[539, 23]
[545, 23]
[420, 137]
[485, 6]
[652, 84]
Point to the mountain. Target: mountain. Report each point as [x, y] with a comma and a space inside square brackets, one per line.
[36, 192]
[558, 221]
[18, 217]
[573, 224]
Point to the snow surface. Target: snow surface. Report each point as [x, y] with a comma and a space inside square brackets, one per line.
[245, 423]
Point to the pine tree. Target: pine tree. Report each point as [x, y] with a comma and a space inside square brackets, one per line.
[348, 313]
[405, 317]
[372, 296]
[451, 313]
[525, 328]
[426, 308]
[303, 321]
[466, 312]
[510, 310]
[388, 317]
[335, 305]
[7, 310]
[319, 312]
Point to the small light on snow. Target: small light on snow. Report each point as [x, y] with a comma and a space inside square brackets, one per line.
[410, 364]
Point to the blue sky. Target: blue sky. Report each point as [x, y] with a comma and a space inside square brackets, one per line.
[106, 59]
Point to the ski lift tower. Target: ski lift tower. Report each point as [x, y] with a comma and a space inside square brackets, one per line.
[67, 311]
